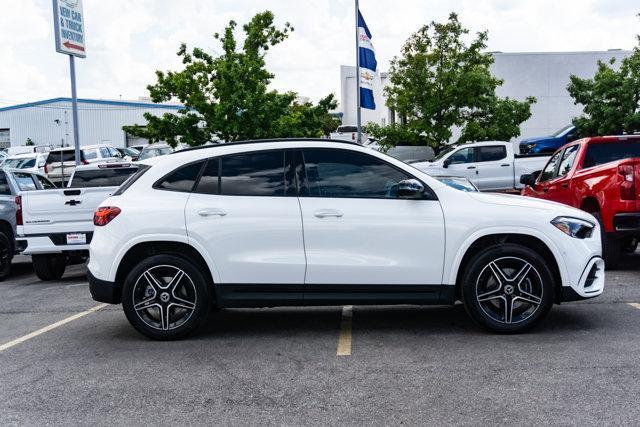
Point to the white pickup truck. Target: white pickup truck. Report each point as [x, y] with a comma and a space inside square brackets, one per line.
[490, 165]
[56, 226]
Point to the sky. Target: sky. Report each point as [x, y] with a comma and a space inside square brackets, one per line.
[128, 40]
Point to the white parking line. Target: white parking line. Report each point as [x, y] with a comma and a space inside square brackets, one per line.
[344, 342]
[50, 327]
[635, 304]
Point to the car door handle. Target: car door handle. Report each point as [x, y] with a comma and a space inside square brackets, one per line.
[565, 185]
[212, 212]
[326, 213]
[505, 165]
[471, 167]
[545, 189]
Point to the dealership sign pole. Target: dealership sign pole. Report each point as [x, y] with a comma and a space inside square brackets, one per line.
[68, 22]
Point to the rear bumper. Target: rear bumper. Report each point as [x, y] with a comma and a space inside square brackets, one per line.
[627, 223]
[104, 291]
[53, 243]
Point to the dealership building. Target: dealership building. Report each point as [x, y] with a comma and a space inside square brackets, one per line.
[49, 122]
[544, 75]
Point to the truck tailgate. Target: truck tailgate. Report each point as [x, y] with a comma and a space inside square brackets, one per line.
[61, 210]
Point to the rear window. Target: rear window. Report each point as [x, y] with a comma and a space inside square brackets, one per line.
[601, 153]
[64, 156]
[25, 181]
[107, 177]
[347, 129]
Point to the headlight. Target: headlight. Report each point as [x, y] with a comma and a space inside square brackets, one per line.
[574, 227]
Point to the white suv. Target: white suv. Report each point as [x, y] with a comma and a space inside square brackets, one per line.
[306, 222]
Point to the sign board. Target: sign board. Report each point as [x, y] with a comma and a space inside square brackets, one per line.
[69, 27]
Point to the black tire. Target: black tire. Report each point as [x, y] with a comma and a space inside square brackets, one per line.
[488, 300]
[49, 267]
[611, 246]
[630, 245]
[186, 303]
[6, 255]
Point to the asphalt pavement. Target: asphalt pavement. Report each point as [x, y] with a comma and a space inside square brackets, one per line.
[405, 364]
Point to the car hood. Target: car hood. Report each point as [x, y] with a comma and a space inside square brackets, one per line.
[536, 140]
[530, 203]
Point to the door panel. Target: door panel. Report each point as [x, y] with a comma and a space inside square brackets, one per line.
[244, 213]
[357, 231]
[494, 169]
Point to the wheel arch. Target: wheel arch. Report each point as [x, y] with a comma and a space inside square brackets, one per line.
[145, 249]
[476, 244]
[590, 204]
[7, 229]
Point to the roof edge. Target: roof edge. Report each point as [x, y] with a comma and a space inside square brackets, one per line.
[93, 101]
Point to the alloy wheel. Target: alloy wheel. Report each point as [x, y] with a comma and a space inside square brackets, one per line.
[164, 297]
[509, 290]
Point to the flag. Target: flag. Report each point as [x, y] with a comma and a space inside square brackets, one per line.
[368, 65]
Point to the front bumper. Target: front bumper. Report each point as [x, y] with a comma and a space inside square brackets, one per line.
[104, 291]
[591, 282]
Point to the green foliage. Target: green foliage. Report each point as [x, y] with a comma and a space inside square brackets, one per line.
[29, 142]
[611, 99]
[227, 97]
[440, 82]
[395, 134]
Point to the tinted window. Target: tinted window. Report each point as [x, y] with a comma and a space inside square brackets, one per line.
[44, 182]
[253, 174]
[339, 173]
[90, 154]
[493, 153]
[25, 181]
[5, 190]
[61, 156]
[182, 179]
[464, 155]
[549, 171]
[568, 158]
[107, 177]
[209, 181]
[104, 151]
[601, 153]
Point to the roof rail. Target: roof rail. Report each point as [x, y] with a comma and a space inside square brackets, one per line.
[258, 141]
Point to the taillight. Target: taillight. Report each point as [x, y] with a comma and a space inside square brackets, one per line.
[105, 215]
[353, 136]
[46, 168]
[18, 210]
[627, 187]
[84, 162]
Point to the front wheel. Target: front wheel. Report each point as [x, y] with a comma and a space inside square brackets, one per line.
[508, 288]
[166, 297]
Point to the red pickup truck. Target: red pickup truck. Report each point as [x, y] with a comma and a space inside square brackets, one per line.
[600, 175]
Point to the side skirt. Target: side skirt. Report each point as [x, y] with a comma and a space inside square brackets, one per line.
[269, 295]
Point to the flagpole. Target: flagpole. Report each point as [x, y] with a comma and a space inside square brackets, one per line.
[358, 114]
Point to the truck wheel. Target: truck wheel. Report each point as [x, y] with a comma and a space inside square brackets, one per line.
[166, 297]
[49, 267]
[611, 246]
[507, 288]
[5, 256]
[629, 245]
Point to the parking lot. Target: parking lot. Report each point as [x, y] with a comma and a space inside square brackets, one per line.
[406, 365]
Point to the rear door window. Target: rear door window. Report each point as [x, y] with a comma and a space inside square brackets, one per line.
[44, 182]
[105, 177]
[25, 181]
[605, 152]
[493, 153]
[253, 174]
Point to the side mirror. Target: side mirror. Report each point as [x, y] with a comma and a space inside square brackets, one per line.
[529, 179]
[410, 189]
[446, 163]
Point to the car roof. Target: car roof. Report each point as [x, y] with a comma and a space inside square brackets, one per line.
[611, 138]
[24, 155]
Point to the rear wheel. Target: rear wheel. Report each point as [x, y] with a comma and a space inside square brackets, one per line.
[166, 297]
[508, 288]
[6, 256]
[611, 246]
[49, 267]
[629, 245]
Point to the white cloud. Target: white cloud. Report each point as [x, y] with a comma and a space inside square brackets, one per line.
[127, 40]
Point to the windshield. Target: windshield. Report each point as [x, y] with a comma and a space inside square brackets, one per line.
[561, 131]
[154, 152]
[19, 163]
[444, 152]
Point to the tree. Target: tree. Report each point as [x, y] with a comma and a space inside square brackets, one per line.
[611, 99]
[227, 97]
[440, 83]
[29, 142]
